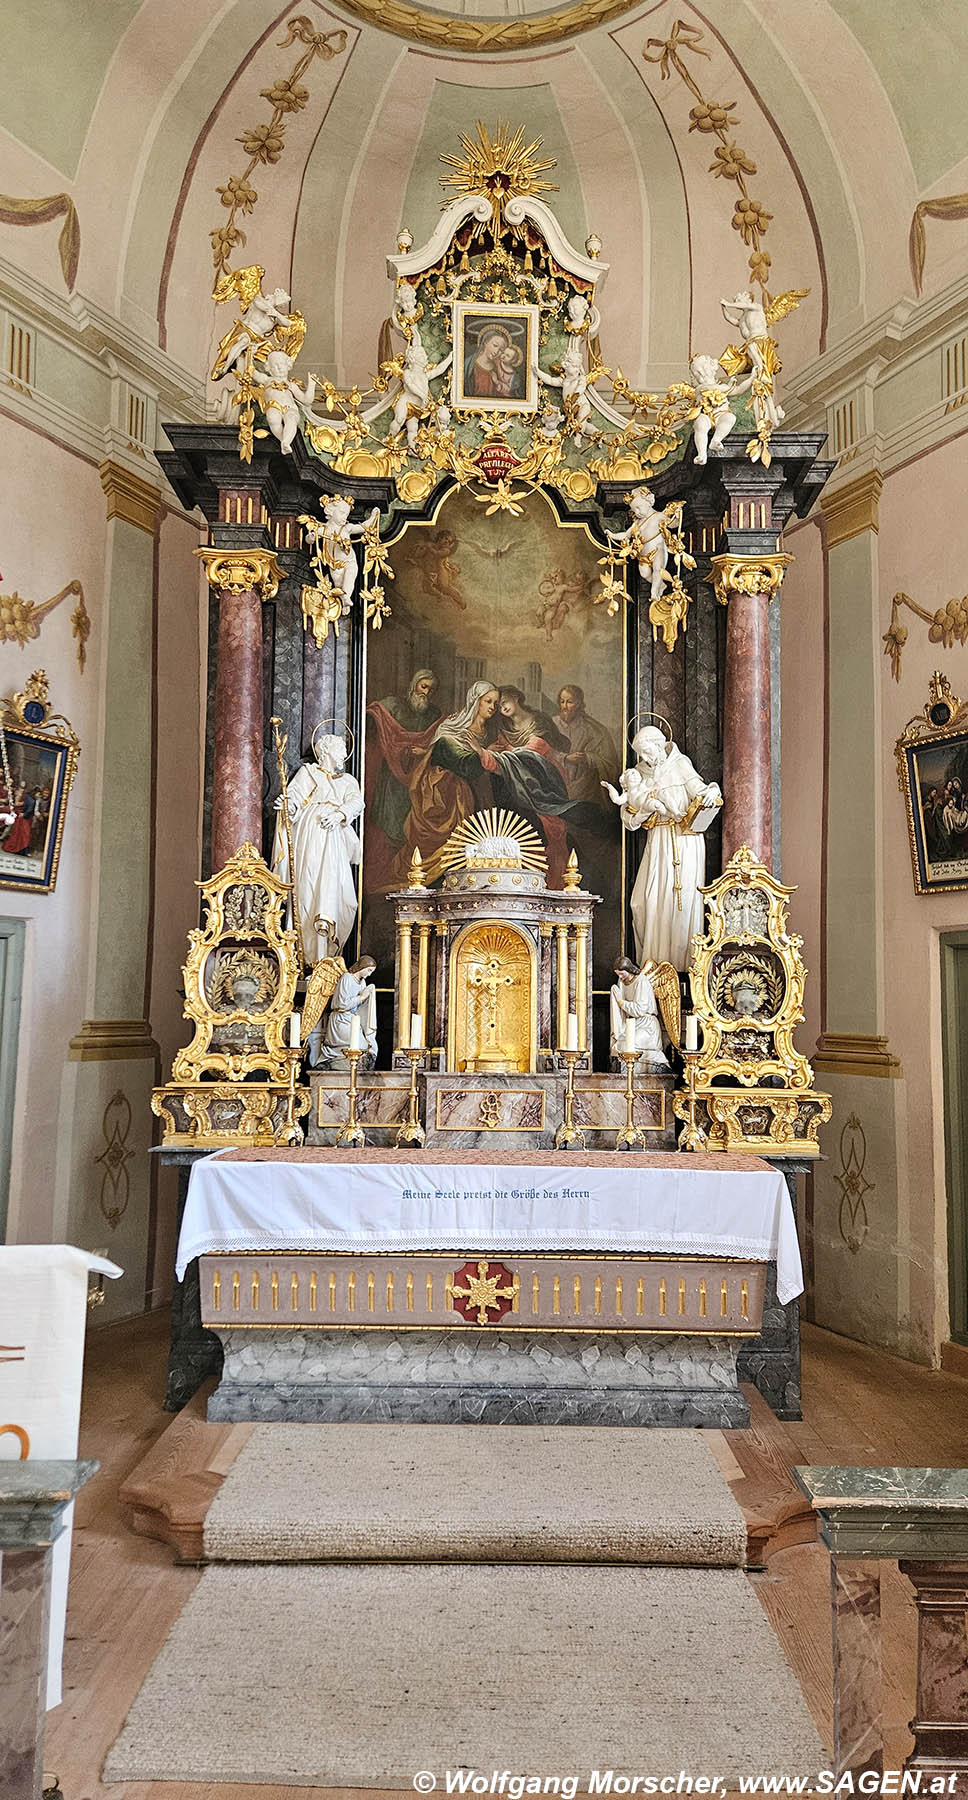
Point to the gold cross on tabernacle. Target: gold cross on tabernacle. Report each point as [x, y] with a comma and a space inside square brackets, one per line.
[490, 978]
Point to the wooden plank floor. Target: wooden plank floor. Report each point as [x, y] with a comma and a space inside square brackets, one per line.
[860, 1406]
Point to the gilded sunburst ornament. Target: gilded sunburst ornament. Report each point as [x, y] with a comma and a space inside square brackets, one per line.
[499, 167]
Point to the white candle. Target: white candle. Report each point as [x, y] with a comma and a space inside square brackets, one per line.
[692, 1034]
[295, 1030]
[630, 1034]
[356, 1036]
[571, 1042]
[416, 1031]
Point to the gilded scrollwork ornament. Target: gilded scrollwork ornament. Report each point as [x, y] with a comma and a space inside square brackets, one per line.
[492, 314]
[747, 1087]
[235, 1082]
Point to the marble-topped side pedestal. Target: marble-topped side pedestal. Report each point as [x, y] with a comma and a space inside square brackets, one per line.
[920, 1518]
[33, 1499]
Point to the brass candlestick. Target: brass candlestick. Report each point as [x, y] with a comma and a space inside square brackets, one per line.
[351, 1135]
[291, 1132]
[568, 1133]
[630, 1137]
[693, 1137]
[411, 1131]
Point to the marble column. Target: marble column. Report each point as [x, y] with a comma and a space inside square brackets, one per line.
[940, 1723]
[746, 585]
[243, 579]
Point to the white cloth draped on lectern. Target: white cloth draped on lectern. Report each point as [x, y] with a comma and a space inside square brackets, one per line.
[43, 1318]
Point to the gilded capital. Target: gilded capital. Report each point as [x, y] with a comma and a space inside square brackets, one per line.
[242, 571]
[748, 575]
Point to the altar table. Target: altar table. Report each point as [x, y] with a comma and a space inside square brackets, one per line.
[384, 1201]
[592, 1288]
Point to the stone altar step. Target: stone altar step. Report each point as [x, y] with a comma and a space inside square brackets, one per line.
[428, 1493]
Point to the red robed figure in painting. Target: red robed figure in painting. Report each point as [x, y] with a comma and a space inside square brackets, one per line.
[449, 770]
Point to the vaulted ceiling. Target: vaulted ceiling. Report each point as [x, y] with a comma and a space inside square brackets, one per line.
[169, 120]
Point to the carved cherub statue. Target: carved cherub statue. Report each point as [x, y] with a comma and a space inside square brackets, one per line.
[283, 400]
[715, 418]
[265, 320]
[416, 373]
[582, 322]
[759, 351]
[354, 998]
[332, 541]
[649, 536]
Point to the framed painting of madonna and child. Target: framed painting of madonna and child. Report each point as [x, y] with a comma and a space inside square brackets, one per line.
[495, 358]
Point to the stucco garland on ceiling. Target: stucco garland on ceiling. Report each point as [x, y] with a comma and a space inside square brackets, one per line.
[424, 25]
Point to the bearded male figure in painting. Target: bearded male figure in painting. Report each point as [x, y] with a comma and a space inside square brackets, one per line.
[590, 758]
[397, 727]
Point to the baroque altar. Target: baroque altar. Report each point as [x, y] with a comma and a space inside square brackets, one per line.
[476, 583]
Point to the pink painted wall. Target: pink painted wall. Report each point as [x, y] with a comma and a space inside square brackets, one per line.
[44, 549]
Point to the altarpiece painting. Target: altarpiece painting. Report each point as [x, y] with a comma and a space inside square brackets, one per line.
[500, 685]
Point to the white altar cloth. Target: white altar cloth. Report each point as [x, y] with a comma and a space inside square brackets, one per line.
[377, 1206]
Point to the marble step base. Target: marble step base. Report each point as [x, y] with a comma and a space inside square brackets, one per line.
[482, 1406]
[433, 1377]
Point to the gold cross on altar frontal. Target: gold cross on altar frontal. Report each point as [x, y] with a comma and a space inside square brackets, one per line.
[483, 1291]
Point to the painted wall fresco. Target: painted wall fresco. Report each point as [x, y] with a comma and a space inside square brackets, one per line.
[495, 683]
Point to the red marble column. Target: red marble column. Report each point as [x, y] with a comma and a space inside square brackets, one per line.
[746, 585]
[243, 579]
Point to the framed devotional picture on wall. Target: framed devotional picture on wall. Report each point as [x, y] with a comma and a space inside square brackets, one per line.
[495, 358]
[932, 770]
[39, 758]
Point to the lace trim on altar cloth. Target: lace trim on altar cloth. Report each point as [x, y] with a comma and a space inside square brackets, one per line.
[752, 1249]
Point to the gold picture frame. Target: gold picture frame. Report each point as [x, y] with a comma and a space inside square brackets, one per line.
[40, 754]
[932, 774]
[489, 378]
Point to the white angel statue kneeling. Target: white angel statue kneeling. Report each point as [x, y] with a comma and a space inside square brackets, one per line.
[323, 801]
[354, 1000]
[665, 796]
[634, 1010]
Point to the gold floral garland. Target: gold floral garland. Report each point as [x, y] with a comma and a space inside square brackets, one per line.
[265, 143]
[490, 33]
[718, 117]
